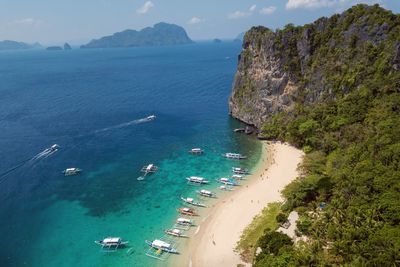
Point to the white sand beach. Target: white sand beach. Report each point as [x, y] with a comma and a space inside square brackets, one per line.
[215, 239]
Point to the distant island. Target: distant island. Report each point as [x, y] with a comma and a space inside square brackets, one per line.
[67, 46]
[216, 40]
[14, 45]
[158, 35]
[239, 38]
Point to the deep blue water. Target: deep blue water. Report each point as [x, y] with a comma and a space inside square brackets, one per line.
[88, 102]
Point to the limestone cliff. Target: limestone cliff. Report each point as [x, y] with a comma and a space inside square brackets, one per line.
[306, 64]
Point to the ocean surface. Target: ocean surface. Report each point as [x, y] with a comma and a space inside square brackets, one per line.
[91, 103]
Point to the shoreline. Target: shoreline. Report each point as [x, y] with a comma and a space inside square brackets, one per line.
[214, 240]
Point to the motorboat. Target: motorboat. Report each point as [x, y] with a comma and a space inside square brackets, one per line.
[196, 151]
[111, 242]
[162, 245]
[191, 201]
[197, 180]
[187, 211]
[184, 221]
[71, 171]
[233, 156]
[238, 170]
[151, 117]
[54, 148]
[206, 193]
[227, 181]
[175, 232]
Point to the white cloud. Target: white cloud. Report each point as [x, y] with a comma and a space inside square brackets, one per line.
[145, 8]
[242, 14]
[314, 4]
[309, 4]
[27, 22]
[267, 10]
[195, 20]
[238, 15]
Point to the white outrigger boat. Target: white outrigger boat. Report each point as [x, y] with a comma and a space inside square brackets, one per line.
[238, 170]
[111, 243]
[191, 201]
[148, 169]
[162, 245]
[196, 151]
[233, 156]
[151, 168]
[71, 171]
[227, 181]
[197, 180]
[238, 177]
[175, 232]
[206, 193]
[184, 221]
[226, 188]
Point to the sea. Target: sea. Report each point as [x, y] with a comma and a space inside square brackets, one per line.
[93, 104]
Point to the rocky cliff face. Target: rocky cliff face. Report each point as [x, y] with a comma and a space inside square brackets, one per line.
[318, 61]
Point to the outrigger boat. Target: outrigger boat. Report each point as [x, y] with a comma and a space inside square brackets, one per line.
[227, 181]
[238, 170]
[206, 193]
[162, 245]
[196, 151]
[187, 211]
[71, 171]
[111, 243]
[151, 168]
[175, 232]
[233, 156]
[184, 221]
[197, 180]
[191, 201]
[238, 177]
[226, 188]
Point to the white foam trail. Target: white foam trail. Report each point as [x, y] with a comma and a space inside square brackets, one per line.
[125, 124]
[45, 153]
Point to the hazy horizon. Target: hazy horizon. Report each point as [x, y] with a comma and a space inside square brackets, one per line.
[52, 22]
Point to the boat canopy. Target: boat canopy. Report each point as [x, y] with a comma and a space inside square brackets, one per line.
[189, 199]
[112, 240]
[183, 220]
[186, 209]
[205, 192]
[160, 243]
[176, 231]
[149, 167]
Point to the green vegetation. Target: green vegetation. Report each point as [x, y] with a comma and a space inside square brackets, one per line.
[351, 137]
[263, 222]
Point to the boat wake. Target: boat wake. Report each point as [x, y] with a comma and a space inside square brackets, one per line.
[126, 124]
[44, 154]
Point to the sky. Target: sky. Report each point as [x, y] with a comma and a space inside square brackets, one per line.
[79, 21]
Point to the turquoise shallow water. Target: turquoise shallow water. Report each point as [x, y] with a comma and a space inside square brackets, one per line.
[88, 102]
